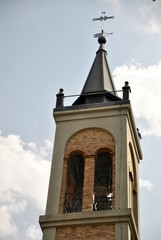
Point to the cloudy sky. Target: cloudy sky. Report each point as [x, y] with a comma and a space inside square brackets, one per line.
[46, 45]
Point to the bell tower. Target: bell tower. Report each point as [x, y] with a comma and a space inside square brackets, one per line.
[94, 189]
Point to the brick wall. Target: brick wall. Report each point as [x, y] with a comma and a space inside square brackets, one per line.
[88, 183]
[90, 232]
[88, 142]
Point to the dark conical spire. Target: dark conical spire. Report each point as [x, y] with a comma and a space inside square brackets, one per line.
[99, 86]
[99, 78]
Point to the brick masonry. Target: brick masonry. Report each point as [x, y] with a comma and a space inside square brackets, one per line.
[88, 184]
[90, 232]
[88, 142]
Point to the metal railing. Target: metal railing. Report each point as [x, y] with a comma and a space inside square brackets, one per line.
[72, 203]
[102, 202]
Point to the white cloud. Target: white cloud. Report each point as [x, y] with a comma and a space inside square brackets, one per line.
[147, 184]
[24, 168]
[150, 17]
[154, 26]
[7, 226]
[23, 179]
[33, 233]
[143, 16]
[145, 97]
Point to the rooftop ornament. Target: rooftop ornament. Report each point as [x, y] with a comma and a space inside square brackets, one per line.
[102, 18]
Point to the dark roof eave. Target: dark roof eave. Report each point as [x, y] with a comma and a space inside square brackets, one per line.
[92, 105]
[108, 96]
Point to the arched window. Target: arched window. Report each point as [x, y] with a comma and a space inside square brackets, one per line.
[102, 199]
[74, 185]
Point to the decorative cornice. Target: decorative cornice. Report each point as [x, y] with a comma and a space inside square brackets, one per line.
[95, 217]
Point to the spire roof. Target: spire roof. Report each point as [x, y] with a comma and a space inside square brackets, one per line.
[99, 86]
[99, 78]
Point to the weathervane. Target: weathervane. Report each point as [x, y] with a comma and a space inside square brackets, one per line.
[102, 18]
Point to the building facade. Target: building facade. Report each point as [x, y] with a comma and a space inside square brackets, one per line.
[94, 183]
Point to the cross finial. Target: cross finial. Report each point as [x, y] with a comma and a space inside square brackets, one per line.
[102, 18]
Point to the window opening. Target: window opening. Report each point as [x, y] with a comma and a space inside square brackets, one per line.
[102, 196]
[74, 186]
[134, 195]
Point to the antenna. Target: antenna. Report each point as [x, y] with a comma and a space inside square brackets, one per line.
[102, 18]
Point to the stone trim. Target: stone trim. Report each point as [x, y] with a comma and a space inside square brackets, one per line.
[83, 218]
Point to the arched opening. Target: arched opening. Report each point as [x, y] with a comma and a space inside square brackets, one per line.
[82, 151]
[74, 184]
[102, 198]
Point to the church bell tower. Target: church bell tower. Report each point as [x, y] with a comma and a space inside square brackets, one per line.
[94, 183]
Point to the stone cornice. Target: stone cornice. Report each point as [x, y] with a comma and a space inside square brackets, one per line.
[81, 218]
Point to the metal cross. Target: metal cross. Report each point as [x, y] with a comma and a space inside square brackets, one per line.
[103, 17]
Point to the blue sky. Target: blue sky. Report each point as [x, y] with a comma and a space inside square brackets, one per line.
[46, 45]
